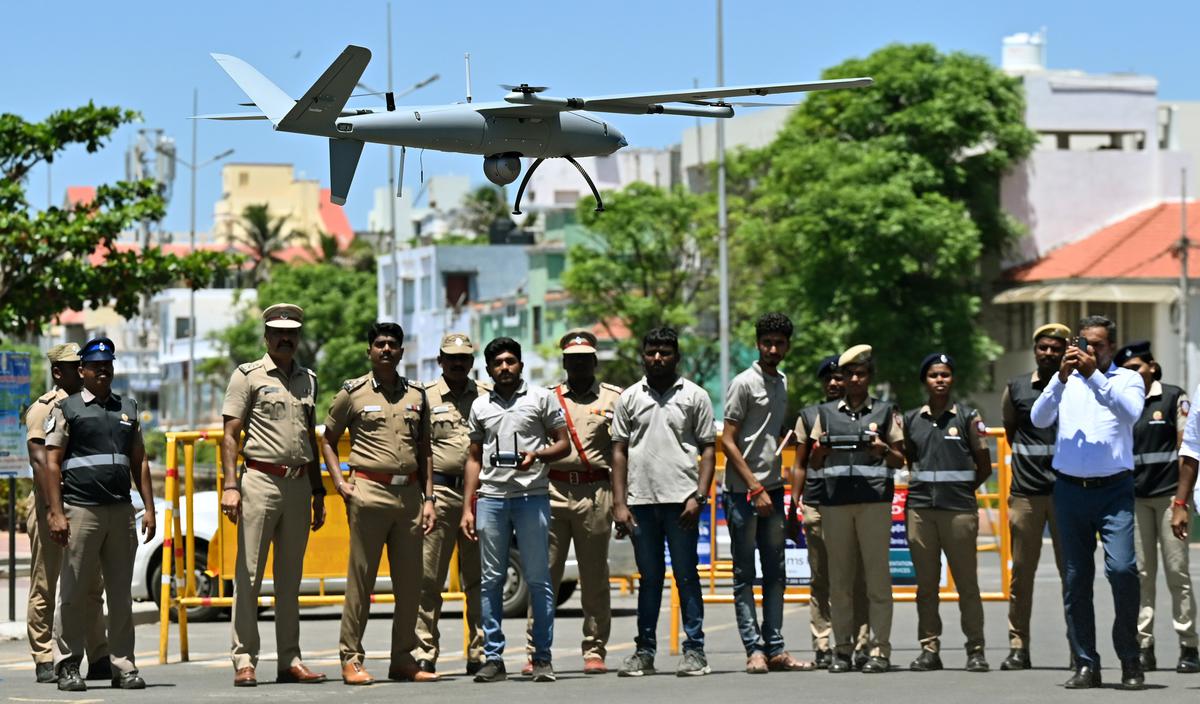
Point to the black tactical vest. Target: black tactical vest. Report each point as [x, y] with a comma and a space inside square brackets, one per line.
[856, 477]
[1155, 443]
[95, 467]
[942, 464]
[1032, 447]
[814, 486]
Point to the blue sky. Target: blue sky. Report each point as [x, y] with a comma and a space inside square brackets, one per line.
[150, 55]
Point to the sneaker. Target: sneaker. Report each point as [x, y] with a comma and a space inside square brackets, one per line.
[637, 665]
[69, 679]
[594, 665]
[542, 671]
[693, 664]
[492, 671]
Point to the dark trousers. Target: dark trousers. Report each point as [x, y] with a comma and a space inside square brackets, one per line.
[1082, 513]
[659, 524]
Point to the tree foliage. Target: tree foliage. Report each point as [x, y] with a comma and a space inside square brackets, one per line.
[67, 258]
[868, 215]
[265, 237]
[480, 208]
[339, 305]
[651, 261]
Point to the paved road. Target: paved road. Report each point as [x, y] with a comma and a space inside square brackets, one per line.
[208, 676]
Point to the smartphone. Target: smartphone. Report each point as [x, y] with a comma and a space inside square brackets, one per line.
[1082, 343]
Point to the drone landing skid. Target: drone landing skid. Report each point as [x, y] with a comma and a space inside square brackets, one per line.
[538, 162]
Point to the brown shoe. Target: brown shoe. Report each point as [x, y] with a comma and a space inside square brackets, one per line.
[353, 673]
[594, 665]
[244, 677]
[784, 662]
[299, 674]
[756, 664]
[411, 672]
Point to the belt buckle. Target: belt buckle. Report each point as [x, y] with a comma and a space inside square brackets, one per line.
[573, 477]
[400, 479]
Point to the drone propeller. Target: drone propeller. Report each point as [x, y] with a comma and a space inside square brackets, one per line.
[524, 88]
[741, 104]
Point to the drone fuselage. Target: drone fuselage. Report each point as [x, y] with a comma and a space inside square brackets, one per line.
[486, 129]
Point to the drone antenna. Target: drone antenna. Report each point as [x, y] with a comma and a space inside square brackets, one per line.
[467, 59]
[515, 450]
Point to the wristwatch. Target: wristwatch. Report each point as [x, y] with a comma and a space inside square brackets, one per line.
[431, 499]
[701, 499]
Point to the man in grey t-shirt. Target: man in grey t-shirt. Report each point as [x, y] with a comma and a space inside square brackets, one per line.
[660, 425]
[515, 431]
[755, 406]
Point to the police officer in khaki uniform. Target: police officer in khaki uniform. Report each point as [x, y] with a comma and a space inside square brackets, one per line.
[45, 555]
[276, 495]
[944, 442]
[389, 499]
[581, 495]
[863, 446]
[94, 455]
[449, 400]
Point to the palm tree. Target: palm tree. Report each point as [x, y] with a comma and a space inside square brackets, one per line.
[264, 236]
[358, 255]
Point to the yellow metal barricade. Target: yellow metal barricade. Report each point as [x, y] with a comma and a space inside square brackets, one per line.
[989, 501]
[325, 557]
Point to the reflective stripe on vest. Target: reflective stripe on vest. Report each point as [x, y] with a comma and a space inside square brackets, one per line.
[1032, 450]
[1154, 457]
[104, 460]
[857, 470]
[934, 475]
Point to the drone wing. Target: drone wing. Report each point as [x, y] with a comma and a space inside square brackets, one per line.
[640, 103]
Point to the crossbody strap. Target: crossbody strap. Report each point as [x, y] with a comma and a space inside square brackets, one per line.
[587, 466]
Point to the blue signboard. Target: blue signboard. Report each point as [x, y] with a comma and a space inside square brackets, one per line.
[14, 397]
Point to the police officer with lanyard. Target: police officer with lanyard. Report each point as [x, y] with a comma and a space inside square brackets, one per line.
[1156, 438]
[859, 443]
[93, 452]
[944, 441]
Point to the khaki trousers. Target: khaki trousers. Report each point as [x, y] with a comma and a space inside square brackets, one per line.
[382, 516]
[860, 536]
[931, 532]
[45, 563]
[582, 513]
[1152, 520]
[275, 512]
[1027, 519]
[103, 541]
[438, 547]
[818, 603]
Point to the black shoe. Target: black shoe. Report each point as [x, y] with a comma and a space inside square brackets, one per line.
[474, 667]
[877, 665]
[1132, 676]
[927, 661]
[976, 662]
[823, 659]
[1085, 677]
[860, 659]
[69, 679]
[44, 671]
[1018, 659]
[840, 664]
[491, 671]
[100, 669]
[1189, 661]
[128, 680]
[428, 666]
[1146, 659]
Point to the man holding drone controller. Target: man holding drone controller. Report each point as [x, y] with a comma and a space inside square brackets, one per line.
[515, 431]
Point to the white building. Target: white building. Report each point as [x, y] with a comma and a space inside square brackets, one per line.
[557, 185]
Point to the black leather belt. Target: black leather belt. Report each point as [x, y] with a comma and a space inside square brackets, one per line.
[452, 481]
[1093, 482]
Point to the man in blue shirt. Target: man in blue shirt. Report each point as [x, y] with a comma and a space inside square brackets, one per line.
[1096, 405]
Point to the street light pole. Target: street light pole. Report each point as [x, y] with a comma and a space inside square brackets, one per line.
[191, 367]
[392, 183]
[722, 221]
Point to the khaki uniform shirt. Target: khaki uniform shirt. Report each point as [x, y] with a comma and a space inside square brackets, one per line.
[757, 403]
[449, 432]
[895, 434]
[386, 423]
[35, 417]
[591, 413]
[277, 411]
[664, 433]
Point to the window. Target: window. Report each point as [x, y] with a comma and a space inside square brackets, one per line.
[458, 289]
[408, 295]
[243, 179]
[183, 328]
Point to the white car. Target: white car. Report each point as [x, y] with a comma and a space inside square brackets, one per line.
[147, 568]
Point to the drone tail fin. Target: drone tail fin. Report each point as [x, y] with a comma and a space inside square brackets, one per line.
[316, 111]
[265, 94]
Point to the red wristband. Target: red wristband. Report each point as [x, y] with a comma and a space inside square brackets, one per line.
[1182, 503]
[754, 492]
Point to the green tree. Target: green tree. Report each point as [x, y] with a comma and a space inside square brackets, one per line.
[358, 255]
[265, 237]
[339, 305]
[67, 258]
[650, 261]
[480, 208]
[868, 216]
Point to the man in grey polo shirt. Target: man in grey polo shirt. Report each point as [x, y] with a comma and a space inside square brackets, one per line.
[755, 407]
[660, 425]
[515, 431]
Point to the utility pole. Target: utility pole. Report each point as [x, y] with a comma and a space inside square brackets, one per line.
[1184, 246]
[722, 221]
[392, 183]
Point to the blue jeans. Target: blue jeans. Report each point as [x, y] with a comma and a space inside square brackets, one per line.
[495, 521]
[747, 531]
[658, 523]
[1081, 513]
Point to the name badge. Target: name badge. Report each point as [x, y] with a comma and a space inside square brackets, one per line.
[271, 389]
[372, 409]
[125, 422]
[441, 409]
